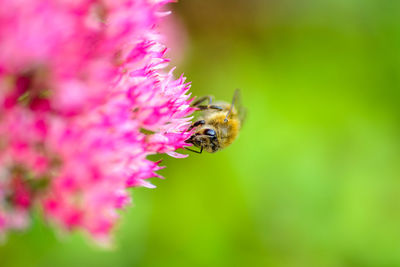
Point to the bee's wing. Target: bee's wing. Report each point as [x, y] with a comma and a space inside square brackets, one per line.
[242, 112]
[233, 104]
[237, 103]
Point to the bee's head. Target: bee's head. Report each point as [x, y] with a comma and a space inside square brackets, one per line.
[206, 138]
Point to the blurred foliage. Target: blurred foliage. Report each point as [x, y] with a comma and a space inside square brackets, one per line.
[313, 179]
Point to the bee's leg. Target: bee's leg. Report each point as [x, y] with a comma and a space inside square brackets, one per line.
[198, 152]
[201, 100]
[197, 123]
[204, 107]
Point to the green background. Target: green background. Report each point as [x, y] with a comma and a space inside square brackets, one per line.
[313, 179]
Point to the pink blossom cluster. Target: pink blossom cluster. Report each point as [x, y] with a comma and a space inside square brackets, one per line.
[84, 99]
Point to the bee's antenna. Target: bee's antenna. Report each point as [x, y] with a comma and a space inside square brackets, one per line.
[233, 102]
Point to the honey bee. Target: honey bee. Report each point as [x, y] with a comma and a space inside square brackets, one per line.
[218, 126]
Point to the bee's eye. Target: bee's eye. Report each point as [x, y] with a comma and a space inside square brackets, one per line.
[210, 132]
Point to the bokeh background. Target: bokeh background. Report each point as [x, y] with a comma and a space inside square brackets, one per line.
[314, 178]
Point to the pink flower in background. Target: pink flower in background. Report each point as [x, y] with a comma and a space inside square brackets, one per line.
[80, 83]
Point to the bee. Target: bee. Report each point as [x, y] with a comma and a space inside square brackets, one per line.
[218, 126]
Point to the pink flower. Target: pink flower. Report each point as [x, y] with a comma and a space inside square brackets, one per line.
[81, 82]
